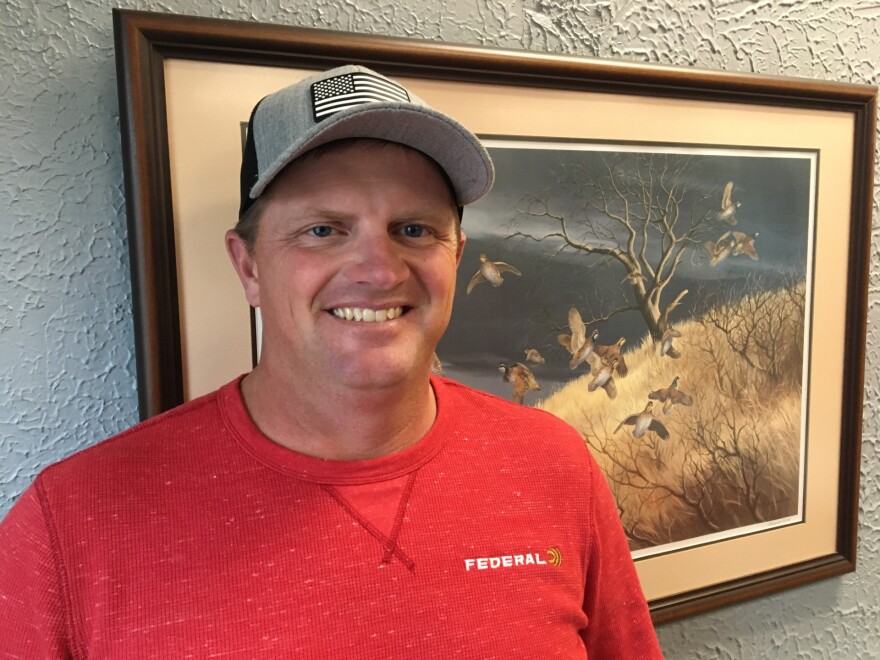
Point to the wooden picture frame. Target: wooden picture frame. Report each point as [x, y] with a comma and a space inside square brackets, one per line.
[224, 65]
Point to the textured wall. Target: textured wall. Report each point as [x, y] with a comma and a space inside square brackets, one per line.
[66, 355]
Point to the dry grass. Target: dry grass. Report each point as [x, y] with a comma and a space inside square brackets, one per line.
[733, 456]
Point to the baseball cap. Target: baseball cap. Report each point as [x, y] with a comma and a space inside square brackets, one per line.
[355, 102]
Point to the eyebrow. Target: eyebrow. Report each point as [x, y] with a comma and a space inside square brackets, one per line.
[327, 214]
[414, 215]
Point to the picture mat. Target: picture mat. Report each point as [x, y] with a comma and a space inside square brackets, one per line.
[206, 101]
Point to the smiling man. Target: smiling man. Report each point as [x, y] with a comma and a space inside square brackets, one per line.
[338, 501]
[353, 269]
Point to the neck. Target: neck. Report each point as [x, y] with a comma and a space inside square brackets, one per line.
[337, 423]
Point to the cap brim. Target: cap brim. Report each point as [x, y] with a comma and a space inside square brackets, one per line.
[455, 149]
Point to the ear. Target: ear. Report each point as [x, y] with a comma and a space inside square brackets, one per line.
[245, 266]
[460, 250]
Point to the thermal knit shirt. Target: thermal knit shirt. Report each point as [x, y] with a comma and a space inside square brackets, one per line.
[193, 535]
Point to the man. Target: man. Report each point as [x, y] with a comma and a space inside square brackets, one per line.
[338, 501]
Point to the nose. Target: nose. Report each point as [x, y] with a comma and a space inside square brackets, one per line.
[377, 260]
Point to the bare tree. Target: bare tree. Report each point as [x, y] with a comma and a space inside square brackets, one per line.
[639, 212]
[762, 326]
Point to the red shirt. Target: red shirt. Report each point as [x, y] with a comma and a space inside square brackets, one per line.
[193, 535]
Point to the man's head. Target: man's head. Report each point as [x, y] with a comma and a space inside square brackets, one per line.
[353, 102]
[353, 264]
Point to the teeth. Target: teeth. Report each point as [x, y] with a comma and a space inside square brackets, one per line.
[367, 315]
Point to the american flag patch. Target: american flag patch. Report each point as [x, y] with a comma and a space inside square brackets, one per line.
[351, 89]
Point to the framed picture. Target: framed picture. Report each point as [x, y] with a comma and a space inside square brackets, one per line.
[717, 223]
[640, 300]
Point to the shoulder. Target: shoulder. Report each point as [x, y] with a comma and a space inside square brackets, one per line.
[150, 442]
[516, 431]
[490, 407]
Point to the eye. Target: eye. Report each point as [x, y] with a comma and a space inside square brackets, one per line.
[413, 231]
[321, 231]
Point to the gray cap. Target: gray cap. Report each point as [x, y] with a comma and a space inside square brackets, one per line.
[355, 102]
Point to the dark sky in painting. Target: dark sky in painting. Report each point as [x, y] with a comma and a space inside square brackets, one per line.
[492, 325]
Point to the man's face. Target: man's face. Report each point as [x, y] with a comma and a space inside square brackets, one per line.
[354, 267]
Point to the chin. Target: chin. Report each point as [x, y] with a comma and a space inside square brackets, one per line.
[381, 375]
[376, 382]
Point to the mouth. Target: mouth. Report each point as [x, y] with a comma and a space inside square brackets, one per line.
[365, 315]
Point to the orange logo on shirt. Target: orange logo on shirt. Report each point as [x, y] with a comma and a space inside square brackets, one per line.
[555, 556]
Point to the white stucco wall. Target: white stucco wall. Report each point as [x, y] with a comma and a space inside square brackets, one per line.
[67, 373]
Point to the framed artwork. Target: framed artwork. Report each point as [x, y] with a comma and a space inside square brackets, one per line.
[678, 259]
[642, 301]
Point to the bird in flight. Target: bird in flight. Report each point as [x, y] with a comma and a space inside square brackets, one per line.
[522, 378]
[728, 206]
[490, 271]
[578, 343]
[643, 422]
[671, 396]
